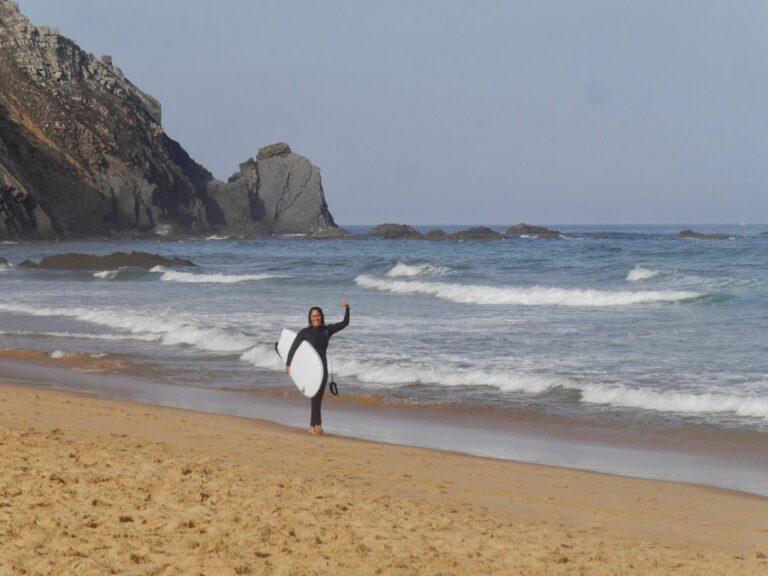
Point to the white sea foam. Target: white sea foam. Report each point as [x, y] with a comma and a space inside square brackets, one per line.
[106, 274]
[85, 335]
[401, 373]
[384, 373]
[168, 331]
[263, 356]
[214, 237]
[640, 272]
[686, 403]
[59, 354]
[535, 296]
[190, 278]
[394, 374]
[408, 270]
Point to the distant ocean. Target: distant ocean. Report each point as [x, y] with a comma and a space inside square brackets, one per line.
[610, 324]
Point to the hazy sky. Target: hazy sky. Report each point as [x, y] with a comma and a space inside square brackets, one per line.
[441, 112]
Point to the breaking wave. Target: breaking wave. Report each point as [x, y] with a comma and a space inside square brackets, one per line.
[408, 270]
[535, 296]
[84, 335]
[190, 278]
[169, 332]
[621, 396]
[639, 273]
[402, 373]
[106, 274]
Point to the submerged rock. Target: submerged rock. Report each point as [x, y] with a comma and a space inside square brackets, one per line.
[3, 261]
[478, 233]
[528, 230]
[701, 235]
[73, 261]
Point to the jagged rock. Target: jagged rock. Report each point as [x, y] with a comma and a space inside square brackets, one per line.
[701, 236]
[477, 233]
[396, 232]
[85, 151]
[279, 192]
[528, 230]
[279, 149]
[73, 261]
[436, 235]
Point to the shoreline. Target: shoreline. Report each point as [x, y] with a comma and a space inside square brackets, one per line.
[94, 484]
[719, 459]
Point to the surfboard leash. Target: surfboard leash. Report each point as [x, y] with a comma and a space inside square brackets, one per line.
[332, 386]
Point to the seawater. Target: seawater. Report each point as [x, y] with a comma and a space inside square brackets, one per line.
[620, 323]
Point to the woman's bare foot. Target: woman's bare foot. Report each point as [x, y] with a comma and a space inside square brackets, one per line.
[319, 430]
[313, 430]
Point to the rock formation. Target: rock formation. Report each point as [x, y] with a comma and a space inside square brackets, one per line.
[405, 232]
[701, 236]
[83, 154]
[528, 230]
[277, 193]
[396, 232]
[477, 233]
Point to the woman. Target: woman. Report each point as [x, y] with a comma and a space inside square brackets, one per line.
[317, 334]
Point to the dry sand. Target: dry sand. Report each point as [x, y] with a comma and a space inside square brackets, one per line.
[91, 486]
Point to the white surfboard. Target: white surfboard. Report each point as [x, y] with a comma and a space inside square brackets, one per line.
[306, 366]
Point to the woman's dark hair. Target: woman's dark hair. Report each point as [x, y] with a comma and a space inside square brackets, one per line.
[322, 316]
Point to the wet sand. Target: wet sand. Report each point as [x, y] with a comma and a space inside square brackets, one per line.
[94, 486]
[736, 460]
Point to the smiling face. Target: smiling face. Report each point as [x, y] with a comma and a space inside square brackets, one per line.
[315, 318]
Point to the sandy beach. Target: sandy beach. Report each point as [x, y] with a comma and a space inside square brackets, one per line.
[93, 486]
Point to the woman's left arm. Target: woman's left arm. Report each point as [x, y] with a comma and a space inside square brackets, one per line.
[333, 328]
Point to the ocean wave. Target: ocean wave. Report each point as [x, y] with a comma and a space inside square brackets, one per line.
[58, 354]
[263, 356]
[640, 272]
[83, 335]
[170, 332]
[214, 237]
[535, 296]
[106, 274]
[190, 278]
[385, 373]
[709, 403]
[390, 374]
[408, 270]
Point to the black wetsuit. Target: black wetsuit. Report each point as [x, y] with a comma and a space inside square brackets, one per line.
[319, 338]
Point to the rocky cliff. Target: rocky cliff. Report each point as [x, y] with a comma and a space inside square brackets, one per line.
[83, 154]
